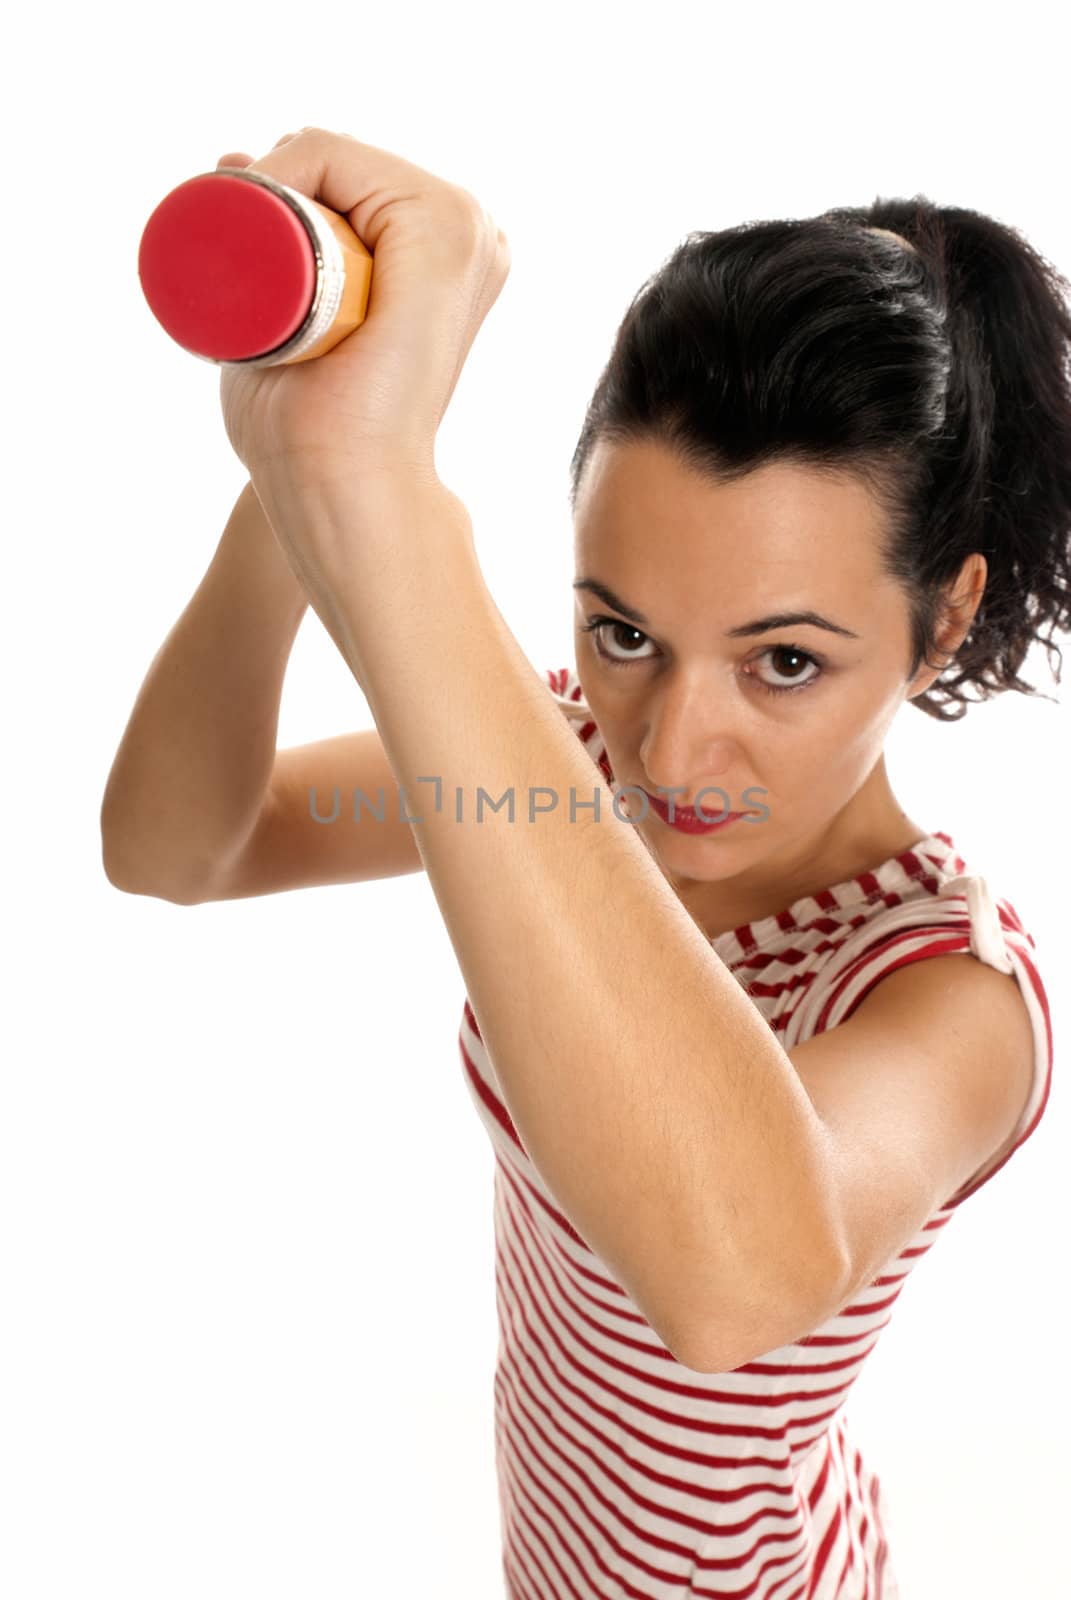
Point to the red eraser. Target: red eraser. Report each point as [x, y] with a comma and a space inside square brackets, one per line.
[227, 267]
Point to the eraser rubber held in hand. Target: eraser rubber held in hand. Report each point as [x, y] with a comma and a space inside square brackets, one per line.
[239, 268]
[227, 267]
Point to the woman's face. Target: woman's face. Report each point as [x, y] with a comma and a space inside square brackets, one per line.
[787, 722]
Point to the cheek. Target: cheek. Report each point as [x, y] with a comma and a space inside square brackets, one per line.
[849, 738]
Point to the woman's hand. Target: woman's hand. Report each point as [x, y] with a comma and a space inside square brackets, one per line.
[369, 410]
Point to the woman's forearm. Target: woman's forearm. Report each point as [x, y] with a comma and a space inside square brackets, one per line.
[646, 1087]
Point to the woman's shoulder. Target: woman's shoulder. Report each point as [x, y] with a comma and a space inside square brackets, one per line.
[955, 912]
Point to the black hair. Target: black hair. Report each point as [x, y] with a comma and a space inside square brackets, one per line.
[939, 374]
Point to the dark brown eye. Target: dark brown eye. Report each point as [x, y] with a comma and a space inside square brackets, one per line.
[792, 660]
[628, 637]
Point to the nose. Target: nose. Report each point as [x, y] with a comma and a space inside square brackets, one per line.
[688, 743]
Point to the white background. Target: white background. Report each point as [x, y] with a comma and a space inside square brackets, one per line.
[247, 1254]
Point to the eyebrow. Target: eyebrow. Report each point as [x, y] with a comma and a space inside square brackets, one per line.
[777, 619]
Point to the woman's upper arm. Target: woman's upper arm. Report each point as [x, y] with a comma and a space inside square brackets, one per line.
[290, 849]
[307, 837]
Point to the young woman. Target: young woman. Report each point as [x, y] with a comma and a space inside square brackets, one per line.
[735, 1084]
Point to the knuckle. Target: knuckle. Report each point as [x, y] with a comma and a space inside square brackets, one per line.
[463, 223]
[466, 202]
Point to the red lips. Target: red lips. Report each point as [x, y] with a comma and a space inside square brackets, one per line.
[688, 820]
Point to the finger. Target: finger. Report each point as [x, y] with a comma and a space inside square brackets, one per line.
[358, 181]
[241, 158]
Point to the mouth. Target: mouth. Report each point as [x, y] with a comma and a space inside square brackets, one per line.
[686, 820]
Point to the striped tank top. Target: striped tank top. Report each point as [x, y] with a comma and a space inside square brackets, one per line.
[624, 1475]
